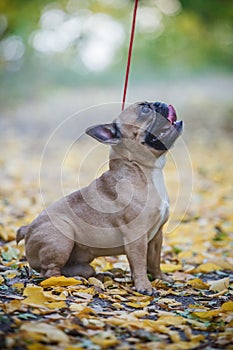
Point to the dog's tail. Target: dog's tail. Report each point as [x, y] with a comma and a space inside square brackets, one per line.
[20, 234]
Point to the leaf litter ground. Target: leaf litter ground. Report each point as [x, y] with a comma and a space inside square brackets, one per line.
[194, 312]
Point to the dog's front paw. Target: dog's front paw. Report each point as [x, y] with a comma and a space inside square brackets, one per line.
[151, 291]
[144, 287]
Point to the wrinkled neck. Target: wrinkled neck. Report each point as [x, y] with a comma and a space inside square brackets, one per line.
[138, 155]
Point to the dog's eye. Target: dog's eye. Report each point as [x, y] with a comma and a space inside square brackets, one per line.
[146, 110]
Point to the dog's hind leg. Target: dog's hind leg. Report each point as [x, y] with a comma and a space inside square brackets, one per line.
[54, 256]
[79, 269]
[79, 262]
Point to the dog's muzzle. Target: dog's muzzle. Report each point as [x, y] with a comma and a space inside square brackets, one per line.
[164, 128]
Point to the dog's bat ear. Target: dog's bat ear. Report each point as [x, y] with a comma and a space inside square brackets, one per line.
[105, 133]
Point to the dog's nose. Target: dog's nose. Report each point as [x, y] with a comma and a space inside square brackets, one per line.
[161, 108]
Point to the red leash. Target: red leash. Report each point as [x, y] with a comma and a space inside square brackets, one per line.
[129, 53]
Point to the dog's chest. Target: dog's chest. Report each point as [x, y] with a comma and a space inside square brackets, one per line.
[162, 208]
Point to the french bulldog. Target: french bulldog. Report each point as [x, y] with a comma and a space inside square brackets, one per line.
[121, 212]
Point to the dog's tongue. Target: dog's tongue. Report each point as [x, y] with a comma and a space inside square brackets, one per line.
[171, 114]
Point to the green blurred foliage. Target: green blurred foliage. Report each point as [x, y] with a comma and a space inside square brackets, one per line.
[210, 11]
[200, 35]
[196, 36]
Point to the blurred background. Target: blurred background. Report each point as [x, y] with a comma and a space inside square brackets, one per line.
[49, 45]
[59, 57]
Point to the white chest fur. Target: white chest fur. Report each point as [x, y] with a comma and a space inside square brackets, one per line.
[163, 210]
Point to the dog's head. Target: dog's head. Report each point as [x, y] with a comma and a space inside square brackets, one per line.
[152, 124]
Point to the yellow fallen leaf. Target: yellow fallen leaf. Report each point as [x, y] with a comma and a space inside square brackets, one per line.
[38, 298]
[109, 283]
[19, 286]
[191, 256]
[4, 235]
[139, 313]
[164, 313]
[118, 306]
[223, 263]
[158, 284]
[175, 337]
[170, 267]
[169, 301]
[155, 326]
[60, 281]
[197, 337]
[56, 304]
[12, 306]
[197, 324]
[35, 296]
[187, 331]
[138, 304]
[64, 290]
[94, 281]
[1, 279]
[215, 295]
[114, 321]
[77, 307]
[11, 275]
[184, 255]
[117, 293]
[93, 323]
[108, 266]
[54, 297]
[197, 307]
[140, 297]
[87, 291]
[171, 320]
[105, 340]
[52, 333]
[107, 297]
[189, 335]
[183, 345]
[37, 346]
[189, 269]
[207, 267]
[85, 313]
[227, 306]
[197, 283]
[219, 285]
[207, 314]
